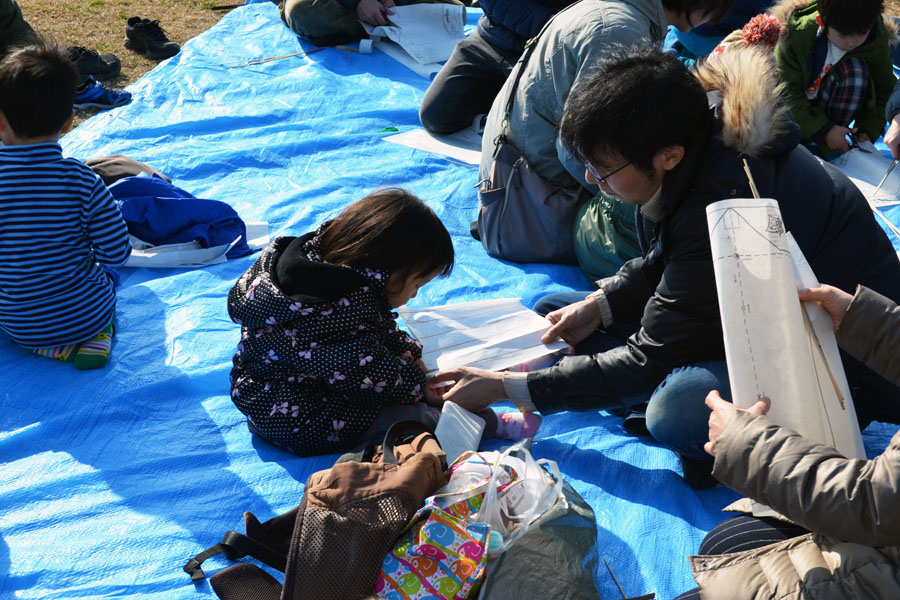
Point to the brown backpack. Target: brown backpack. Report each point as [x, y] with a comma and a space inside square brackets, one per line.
[333, 544]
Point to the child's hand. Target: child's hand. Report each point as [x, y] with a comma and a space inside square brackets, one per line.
[836, 138]
[373, 12]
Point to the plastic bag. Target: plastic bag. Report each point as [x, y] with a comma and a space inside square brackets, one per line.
[507, 490]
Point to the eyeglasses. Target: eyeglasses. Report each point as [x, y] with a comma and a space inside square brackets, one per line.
[596, 176]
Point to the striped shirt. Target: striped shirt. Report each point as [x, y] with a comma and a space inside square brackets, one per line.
[58, 224]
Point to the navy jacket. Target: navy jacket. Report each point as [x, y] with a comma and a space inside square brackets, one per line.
[508, 24]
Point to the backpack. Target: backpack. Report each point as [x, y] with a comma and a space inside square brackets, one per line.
[332, 545]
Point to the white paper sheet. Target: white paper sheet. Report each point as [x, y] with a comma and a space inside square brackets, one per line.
[865, 170]
[427, 32]
[191, 254]
[771, 348]
[464, 146]
[488, 334]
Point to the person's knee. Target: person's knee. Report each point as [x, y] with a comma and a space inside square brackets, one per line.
[295, 13]
[547, 304]
[677, 416]
[434, 118]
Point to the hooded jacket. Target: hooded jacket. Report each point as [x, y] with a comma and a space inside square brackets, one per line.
[851, 505]
[671, 287]
[795, 54]
[320, 352]
[567, 48]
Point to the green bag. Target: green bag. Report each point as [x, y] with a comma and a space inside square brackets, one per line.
[605, 236]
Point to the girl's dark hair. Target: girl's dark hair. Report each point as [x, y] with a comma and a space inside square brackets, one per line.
[634, 103]
[389, 229]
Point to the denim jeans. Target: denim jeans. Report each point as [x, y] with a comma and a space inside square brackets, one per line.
[677, 416]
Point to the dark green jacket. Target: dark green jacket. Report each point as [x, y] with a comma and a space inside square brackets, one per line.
[793, 55]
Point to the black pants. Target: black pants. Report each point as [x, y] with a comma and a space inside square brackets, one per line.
[743, 533]
[466, 85]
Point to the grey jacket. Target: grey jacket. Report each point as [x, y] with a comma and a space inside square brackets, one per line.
[853, 506]
[570, 44]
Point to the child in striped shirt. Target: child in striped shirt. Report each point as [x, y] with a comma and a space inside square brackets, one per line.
[61, 232]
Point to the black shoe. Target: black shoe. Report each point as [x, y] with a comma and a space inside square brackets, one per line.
[473, 229]
[89, 62]
[698, 473]
[148, 39]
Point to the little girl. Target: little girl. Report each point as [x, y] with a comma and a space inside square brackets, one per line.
[321, 365]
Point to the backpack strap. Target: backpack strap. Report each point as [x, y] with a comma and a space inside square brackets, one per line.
[235, 545]
[401, 432]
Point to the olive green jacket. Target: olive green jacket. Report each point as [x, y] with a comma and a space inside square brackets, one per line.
[793, 55]
[853, 506]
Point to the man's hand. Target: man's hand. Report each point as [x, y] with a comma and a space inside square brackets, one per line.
[472, 389]
[835, 301]
[722, 413]
[836, 138]
[574, 322]
[374, 12]
[892, 137]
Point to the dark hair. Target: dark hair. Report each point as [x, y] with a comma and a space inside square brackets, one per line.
[37, 89]
[389, 229]
[715, 9]
[635, 103]
[850, 17]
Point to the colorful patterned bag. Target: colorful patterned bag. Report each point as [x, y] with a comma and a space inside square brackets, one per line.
[441, 556]
[443, 553]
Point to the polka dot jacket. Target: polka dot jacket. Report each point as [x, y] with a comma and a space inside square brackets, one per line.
[320, 352]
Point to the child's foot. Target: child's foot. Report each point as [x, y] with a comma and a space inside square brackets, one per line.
[517, 425]
[94, 353]
[63, 353]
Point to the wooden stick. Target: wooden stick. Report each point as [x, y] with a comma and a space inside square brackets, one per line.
[812, 331]
[259, 61]
[750, 178]
[883, 218]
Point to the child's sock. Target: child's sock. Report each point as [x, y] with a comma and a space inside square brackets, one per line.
[64, 353]
[512, 425]
[94, 353]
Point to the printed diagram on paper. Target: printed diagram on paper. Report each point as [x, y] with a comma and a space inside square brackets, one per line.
[488, 334]
[774, 348]
[426, 32]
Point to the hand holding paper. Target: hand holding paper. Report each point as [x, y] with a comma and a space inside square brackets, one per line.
[573, 323]
[473, 389]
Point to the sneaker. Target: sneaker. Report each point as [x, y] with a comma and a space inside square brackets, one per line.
[90, 62]
[148, 39]
[93, 95]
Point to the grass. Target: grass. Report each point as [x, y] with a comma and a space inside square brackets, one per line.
[100, 25]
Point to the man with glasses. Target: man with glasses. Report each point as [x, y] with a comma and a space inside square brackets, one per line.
[642, 124]
[565, 51]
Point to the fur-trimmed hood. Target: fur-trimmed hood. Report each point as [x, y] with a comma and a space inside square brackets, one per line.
[744, 86]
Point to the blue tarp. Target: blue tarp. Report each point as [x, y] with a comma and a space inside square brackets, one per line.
[112, 479]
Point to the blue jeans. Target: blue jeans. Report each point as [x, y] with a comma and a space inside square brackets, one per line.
[677, 416]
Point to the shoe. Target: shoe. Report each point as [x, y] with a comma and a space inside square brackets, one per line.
[698, 473]
[93, 95]
[90, 62]
[148, 39]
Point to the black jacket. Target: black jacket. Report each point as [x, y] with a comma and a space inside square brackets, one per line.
[672, 289]
[320, 352]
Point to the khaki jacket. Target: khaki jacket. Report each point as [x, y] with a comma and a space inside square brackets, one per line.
[852, 505]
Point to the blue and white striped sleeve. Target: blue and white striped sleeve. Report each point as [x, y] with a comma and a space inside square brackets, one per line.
[106, 228]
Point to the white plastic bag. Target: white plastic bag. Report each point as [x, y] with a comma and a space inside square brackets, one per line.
[516, 489]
